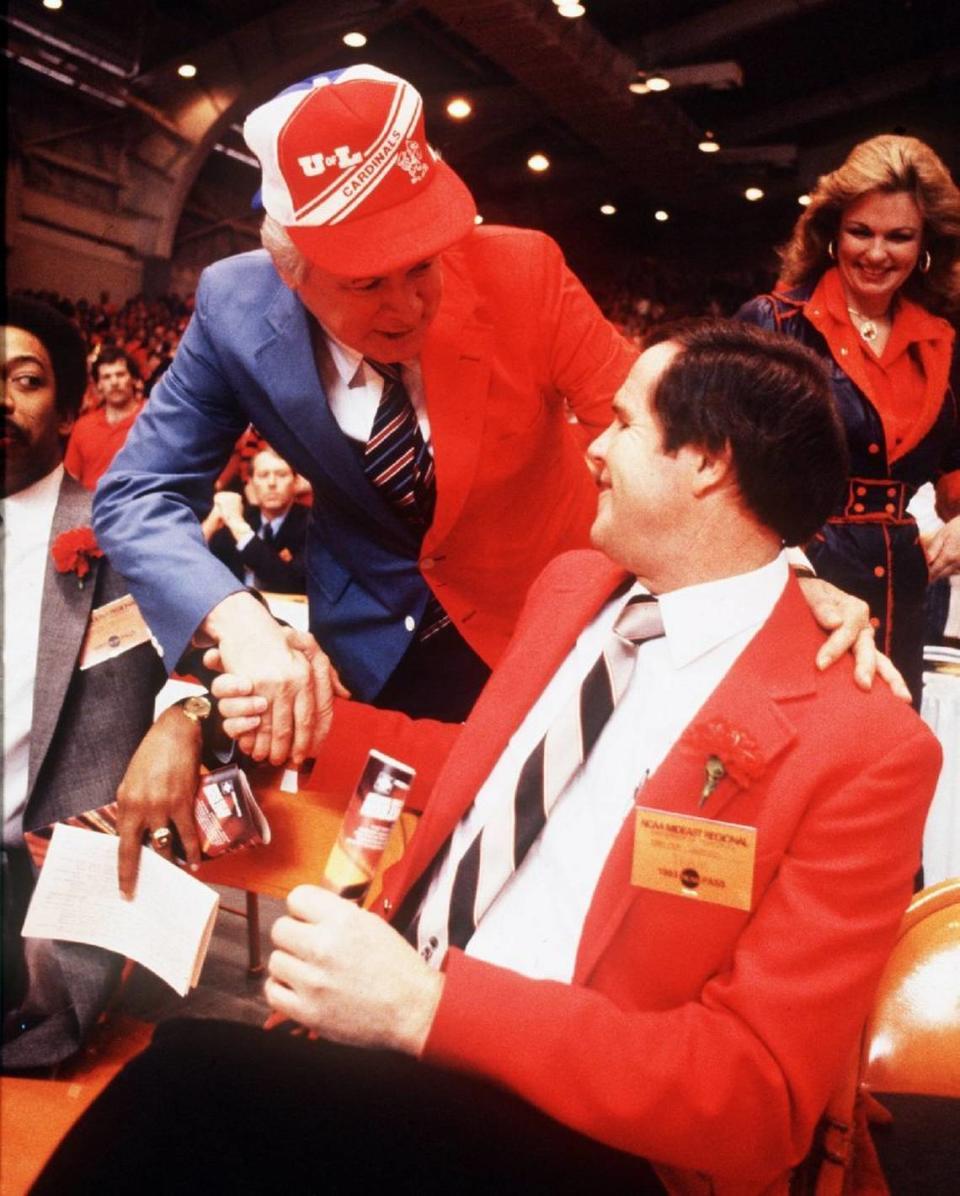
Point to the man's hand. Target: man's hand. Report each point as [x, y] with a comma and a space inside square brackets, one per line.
[848, 620]
[942, 548]
[229, 506]
[212, 524]
[252, 646]
[157, 789]
[240, 707]
[347, 976]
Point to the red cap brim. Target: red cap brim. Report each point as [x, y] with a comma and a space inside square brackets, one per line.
[441, 214]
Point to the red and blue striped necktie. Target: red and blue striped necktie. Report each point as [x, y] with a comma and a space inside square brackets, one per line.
[396, 458]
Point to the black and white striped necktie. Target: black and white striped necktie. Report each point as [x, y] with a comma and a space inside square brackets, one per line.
[501, 845]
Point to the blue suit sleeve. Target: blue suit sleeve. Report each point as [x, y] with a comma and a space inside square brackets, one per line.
[148, 505]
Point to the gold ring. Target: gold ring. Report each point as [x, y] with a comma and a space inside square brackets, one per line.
[161, 836]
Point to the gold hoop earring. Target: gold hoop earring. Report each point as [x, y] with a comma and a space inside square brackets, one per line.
[832, 250]
[924, 262]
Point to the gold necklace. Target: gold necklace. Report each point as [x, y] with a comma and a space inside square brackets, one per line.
[868, 329]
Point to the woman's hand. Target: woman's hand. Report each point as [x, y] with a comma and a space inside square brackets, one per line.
[942, 548]
[848, 621]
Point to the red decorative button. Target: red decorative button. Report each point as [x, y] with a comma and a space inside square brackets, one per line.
[861, 491]
[891, 492]
[889, 508]
[873, 448]
[879, 571]
[858, 506]
[874, 622]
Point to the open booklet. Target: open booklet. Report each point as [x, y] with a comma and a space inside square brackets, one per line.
[167, 925]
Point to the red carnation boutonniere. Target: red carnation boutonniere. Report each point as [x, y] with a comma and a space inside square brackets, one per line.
[730, 752]
[72, 552]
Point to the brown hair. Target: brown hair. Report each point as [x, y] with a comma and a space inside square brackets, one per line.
[768, 398]
[887, 163]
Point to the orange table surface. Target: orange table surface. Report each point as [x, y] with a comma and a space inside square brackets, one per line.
[303, 827]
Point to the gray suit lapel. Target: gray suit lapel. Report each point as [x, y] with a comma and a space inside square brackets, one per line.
[64, 613]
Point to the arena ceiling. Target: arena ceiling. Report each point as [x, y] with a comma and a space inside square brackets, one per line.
[97, 109]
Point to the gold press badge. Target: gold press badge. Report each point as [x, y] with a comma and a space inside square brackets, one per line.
[114, 628]
[698, 858]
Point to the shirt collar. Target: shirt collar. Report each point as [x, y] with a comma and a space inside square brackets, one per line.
[276, 523]
[698, 618]
[43, 492]
[348, 362]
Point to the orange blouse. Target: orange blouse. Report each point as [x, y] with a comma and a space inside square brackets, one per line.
[906, 383]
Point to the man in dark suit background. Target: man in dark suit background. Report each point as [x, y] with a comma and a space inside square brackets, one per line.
[71, 735]
[262, 542]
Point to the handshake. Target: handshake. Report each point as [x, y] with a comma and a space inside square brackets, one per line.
[276, 686]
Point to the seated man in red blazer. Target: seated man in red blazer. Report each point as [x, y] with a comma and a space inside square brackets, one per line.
[639, 925]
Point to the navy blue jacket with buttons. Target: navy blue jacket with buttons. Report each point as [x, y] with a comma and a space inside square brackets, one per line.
[870, 545]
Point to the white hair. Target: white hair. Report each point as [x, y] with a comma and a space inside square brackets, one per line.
[290, 263]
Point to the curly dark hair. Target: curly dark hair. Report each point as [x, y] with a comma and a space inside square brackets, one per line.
[62, 339]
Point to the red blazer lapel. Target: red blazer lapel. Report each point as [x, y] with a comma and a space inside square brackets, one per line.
[776, 666]
[456, 362]
[561, 604]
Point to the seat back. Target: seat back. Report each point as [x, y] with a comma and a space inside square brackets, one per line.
[911, 1040]
[910, 1044]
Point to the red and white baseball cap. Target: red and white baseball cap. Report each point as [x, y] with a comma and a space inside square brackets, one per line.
[347, 171]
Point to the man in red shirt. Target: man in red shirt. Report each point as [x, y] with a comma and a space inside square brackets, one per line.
[99, 435]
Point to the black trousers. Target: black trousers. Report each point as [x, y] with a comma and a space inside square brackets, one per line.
[437, 678]
[219, 1107]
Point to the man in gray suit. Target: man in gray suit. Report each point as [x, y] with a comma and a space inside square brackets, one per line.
[71, 735]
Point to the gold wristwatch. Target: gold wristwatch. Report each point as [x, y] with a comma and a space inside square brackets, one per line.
[197, 708]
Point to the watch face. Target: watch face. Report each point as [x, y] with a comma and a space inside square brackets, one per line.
[197, 707]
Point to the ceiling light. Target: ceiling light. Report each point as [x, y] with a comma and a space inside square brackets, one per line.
[538, 162]
[803, 200]
[657, 82]
[186, 70]
[639, 85]
[753, 194]
[478, 219]
[459, 108]
[355, 40]
[709, 144]
[608, 209]
[53, 4]
[571, 10]
[661, 215]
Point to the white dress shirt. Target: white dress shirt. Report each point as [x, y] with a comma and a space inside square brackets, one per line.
[275, 524]
[535, 923]
[27, 520]
[354, 389]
